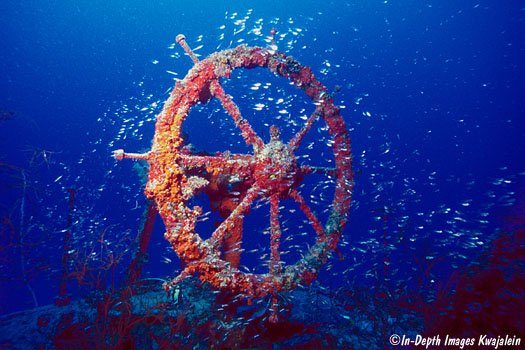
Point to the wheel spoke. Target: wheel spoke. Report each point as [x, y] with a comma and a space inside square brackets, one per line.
[195, 161]
[308, 169]
[217, 236]
[221, 160]
[296, 140]
[308, 212]
[275, 258]
[247, 132]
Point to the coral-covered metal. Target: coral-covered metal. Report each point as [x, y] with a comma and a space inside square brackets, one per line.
[176, 174]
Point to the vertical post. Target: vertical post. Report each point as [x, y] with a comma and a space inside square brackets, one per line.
[63, 299]
[21, 238]
[134, 269]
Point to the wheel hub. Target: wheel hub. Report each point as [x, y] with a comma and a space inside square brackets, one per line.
[276, 166]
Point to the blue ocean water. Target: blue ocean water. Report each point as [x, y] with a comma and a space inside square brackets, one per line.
[431, 93]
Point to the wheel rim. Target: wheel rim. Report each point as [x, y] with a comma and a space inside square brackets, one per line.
[272, 171]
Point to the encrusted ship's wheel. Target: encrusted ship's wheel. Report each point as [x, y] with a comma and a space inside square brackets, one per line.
[272, 172]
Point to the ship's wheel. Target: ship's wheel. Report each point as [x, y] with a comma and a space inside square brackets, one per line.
[271, 172]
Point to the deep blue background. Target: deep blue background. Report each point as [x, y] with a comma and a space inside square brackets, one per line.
[433, 96]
